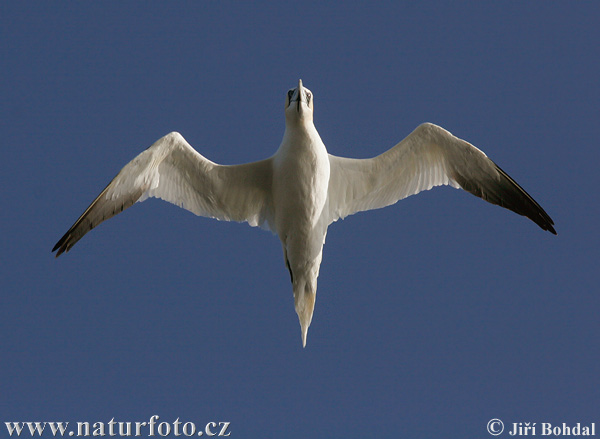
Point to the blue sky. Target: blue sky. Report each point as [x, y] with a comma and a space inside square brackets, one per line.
[433, 316]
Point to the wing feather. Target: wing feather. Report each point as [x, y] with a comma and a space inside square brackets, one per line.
[430, 156]
[173, 171]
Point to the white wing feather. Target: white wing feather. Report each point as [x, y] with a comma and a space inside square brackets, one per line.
[173, 171]
[430, 156]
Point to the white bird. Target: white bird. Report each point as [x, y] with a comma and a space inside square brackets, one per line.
[299, 191]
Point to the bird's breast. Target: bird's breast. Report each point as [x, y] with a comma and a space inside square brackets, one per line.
[300, 184]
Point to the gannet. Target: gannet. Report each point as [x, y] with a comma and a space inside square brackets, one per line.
[300, 190]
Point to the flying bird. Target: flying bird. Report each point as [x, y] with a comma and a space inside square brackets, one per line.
[300, 190]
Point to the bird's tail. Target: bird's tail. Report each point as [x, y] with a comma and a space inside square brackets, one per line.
[305, 294]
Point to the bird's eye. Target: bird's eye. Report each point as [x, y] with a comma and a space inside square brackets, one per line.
[290, 93]
[308, 97]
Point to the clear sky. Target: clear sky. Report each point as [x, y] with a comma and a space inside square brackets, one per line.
[433, 316]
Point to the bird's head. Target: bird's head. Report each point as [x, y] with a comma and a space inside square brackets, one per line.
[299, 104]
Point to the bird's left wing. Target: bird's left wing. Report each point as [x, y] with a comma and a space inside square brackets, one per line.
[173, 171]
[430, 156]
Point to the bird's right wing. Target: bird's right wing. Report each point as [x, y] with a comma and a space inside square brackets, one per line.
[430, 156]
[173, 171]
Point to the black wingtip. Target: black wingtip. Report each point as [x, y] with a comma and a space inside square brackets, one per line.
[531, 209]
[545, 222]
[59, 252]
[60, 246]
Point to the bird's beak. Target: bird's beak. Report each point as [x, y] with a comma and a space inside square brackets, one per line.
[299, 95]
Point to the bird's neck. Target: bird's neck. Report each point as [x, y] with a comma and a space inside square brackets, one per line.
[301, 135]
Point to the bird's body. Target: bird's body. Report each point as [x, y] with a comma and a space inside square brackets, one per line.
[300, 185]
[299, 191]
